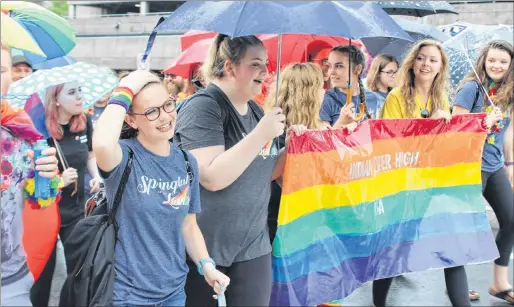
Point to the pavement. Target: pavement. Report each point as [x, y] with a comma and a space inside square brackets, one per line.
[415, 289]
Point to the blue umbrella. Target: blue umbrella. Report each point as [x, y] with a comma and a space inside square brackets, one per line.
[416, 8]
[57, 62]
[398, 47]
[463, 49]
[351, 19]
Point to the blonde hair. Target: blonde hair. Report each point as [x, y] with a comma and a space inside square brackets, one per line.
[440, 85]
[298, 95]
[505, 94]
[379, 63]
[223, 49]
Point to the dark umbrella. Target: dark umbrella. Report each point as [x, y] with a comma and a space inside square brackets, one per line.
[398, 47]
[350, 19]
[416, 8]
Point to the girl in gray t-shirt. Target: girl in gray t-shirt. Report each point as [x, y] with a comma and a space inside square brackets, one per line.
[157, 213]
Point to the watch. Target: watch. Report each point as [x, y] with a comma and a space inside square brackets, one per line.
[203, 262]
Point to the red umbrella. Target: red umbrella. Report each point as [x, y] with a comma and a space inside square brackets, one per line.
[295, 48]
[184, 63]
[190, 37]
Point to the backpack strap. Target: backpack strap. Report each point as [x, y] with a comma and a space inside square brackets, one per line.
[121, 187]
[476, 95]
[189, 171]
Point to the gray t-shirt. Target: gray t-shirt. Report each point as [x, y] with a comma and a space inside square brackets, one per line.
[233, 220]
[150, 252]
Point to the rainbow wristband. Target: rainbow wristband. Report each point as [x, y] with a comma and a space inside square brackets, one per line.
[122, 96]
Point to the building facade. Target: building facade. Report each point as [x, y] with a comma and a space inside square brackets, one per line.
[114, 33]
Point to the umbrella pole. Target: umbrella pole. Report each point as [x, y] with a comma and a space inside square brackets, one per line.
[475, 72]
[279, 55]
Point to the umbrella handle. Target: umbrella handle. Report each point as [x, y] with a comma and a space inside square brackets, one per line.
[362, 107]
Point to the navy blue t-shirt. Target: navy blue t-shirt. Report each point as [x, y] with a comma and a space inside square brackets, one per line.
[150, 253]
[331, 109]
[492, 157]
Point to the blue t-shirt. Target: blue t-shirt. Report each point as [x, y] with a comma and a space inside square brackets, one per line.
[492, 157]
[331, 109]
[150, 252]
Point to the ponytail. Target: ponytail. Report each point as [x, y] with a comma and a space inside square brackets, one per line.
[223, 49]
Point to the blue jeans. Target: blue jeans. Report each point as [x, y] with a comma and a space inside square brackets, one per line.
[177, 300]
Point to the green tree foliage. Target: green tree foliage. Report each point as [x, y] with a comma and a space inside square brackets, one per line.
[60, 8]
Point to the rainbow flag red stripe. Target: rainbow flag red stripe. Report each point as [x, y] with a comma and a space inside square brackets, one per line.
[393, 197]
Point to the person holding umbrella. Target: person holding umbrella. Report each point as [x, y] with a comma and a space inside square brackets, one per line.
[493, 93]
[233, 141]
[346, 63]
[71, 134]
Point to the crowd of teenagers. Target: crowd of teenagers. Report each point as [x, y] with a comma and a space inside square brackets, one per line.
[199, 211]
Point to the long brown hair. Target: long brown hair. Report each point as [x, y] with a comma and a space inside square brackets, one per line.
[505, 94]
[440, 85]
[298, 95]
[379, 62]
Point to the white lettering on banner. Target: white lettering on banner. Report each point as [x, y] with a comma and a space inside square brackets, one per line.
[148, 184]
[379, 208]
[378, 164]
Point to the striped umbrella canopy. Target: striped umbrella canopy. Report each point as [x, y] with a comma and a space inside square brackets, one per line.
[53, 34]
[14, 35]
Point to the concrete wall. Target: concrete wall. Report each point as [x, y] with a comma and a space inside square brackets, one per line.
[99, 40]
[499, 12]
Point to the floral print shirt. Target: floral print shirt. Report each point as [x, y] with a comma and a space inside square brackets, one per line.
[15, 166]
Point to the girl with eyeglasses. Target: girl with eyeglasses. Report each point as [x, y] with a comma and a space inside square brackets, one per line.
[156, 217]
[381, 78]
[495, 69]
[423, 81]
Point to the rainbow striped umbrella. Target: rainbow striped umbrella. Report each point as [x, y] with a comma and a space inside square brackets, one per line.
[14, 35]
[52, 33]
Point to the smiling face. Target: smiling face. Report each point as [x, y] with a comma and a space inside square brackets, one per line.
[338, 69]
[153, 96]
[251, 71]
[497, 64]
[69, 99]
[427, 64]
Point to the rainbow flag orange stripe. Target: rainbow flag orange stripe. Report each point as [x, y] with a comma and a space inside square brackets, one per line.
[393, 197]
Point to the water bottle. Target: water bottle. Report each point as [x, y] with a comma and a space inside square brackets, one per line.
[42, 184]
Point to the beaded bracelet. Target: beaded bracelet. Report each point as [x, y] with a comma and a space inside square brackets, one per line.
[56, 185]
[509, 163]
[122, 96]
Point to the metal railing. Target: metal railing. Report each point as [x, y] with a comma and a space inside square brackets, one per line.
[120, 15]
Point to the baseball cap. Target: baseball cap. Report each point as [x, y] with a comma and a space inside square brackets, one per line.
[20, 59]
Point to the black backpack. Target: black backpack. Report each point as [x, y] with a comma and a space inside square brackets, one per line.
[92, 244]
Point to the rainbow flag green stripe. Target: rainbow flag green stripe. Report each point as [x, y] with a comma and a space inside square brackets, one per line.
[393, 197]
[392, 209]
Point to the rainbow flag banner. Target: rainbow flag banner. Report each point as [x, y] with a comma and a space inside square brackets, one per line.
[393, 197]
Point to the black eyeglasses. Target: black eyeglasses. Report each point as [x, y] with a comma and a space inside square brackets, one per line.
[154, 113]
[389, 73]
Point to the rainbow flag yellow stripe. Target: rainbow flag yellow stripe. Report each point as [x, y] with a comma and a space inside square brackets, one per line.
[395, 196]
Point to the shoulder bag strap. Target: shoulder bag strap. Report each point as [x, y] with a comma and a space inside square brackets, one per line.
[121, 187]
[188, 166]
[65, 164]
